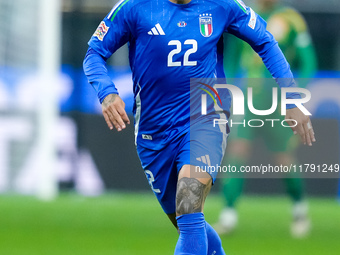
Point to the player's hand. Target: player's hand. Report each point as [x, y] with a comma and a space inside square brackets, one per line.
[113, 108]
[304, 127]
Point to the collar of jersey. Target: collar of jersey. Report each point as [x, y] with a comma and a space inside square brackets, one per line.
[182, 5]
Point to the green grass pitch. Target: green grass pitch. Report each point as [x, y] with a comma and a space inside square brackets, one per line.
[133, 224]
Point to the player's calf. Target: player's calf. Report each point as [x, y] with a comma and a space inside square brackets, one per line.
[190, 196]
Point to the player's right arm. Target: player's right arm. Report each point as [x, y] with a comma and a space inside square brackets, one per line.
[111, 34]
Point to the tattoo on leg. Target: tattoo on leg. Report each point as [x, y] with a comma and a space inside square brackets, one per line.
[190, 195]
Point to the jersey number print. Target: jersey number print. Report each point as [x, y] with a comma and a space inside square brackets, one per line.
[178, 49]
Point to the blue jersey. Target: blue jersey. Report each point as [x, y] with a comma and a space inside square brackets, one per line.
[169, 44]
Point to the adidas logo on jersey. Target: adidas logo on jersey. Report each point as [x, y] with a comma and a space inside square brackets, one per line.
[156, 30]
[205, 159]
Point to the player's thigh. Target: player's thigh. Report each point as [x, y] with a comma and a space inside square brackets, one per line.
[161, 172]
[199, 161]
[205, 150]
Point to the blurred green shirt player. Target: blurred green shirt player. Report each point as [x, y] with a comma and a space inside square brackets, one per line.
[290, 30]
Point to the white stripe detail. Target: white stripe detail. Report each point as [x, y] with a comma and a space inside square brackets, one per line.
[253, 19]
[154, 31]
[138, 113]
[198, 159]
[150, 33]
[204, 160]
[222, 126]
[114, 8]
[159, 28]
[208, 160]
[242, 4]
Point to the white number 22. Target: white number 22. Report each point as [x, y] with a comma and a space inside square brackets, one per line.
[186, 61]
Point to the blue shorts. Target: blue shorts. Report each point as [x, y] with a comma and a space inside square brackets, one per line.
[201, 147]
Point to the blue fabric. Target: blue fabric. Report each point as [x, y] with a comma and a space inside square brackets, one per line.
[193, 237]
[96, 72]
[214, 241]
[167, 48]
[161, 167]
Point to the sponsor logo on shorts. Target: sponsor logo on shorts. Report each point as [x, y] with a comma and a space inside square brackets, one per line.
[147, 137]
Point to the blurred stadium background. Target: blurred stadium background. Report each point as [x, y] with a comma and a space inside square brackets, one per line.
[70, 186]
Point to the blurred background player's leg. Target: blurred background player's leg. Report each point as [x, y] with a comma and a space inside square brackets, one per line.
[301, 224]
[283, 144]
[291, 31]
[228, 219]
[232, 185]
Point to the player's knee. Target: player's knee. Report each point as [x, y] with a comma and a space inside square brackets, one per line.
[190, 196]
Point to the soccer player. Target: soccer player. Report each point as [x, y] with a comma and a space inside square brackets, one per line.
[171, 41]
[290, 30]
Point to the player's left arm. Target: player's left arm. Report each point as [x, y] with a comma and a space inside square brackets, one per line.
[250, 27]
